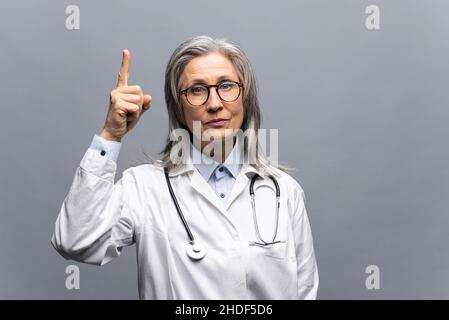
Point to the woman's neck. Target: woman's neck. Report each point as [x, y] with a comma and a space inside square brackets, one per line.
[218, 150]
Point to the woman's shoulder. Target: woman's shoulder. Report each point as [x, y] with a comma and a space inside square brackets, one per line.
[285, 178]
[144, 171]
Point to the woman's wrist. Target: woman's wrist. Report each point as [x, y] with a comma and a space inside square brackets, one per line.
[106, 135]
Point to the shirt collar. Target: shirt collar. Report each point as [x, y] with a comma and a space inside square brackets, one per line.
[246, 169]
[206, 165]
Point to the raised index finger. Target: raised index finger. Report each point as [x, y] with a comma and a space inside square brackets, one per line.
[124, 69]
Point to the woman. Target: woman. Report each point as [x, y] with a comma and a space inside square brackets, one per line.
[197, 231]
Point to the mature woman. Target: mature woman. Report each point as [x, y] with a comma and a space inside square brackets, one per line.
[214, 218]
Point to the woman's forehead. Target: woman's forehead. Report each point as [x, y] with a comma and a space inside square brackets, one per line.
[209, 69]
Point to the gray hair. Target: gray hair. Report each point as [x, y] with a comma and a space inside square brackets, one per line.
[183, 54]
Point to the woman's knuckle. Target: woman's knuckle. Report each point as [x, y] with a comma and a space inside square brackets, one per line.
[138, 89]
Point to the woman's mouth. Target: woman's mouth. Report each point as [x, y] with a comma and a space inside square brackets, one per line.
[217, 123]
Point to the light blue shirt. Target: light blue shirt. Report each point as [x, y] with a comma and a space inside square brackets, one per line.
[220, 177]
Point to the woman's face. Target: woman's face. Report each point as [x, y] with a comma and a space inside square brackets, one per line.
[211, 69]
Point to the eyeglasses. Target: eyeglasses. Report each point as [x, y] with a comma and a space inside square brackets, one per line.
[198, 94]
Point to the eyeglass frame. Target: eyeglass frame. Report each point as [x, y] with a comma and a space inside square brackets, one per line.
[184, 91]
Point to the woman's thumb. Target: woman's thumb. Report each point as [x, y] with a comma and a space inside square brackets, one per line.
[146, 102]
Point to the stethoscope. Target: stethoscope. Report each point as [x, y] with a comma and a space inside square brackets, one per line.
[196, 250]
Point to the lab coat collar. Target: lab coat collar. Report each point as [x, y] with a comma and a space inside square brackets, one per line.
[181, 169]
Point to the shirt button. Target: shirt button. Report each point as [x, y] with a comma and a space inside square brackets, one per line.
[222, 195]
[103, 152]
[221, 170]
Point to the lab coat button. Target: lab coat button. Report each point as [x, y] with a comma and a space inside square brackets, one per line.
[103, 152]
[220, 169]
[222, 195]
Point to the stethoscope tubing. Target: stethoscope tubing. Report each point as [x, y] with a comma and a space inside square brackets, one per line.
[178, 208]
[253, 208]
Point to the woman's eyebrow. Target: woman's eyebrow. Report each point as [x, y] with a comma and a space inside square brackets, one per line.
[202, 81]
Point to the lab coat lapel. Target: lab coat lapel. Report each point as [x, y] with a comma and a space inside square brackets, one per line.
[241, 183]
[198, 183]
[202, 187]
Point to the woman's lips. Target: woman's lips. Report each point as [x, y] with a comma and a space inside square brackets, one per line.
[218, 123]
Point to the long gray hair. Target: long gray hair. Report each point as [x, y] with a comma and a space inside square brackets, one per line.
[183, 54]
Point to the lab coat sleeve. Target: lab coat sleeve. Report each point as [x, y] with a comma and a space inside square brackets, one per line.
[306, 263]
[95, 220]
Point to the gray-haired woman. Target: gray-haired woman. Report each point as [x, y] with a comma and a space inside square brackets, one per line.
[214, 218]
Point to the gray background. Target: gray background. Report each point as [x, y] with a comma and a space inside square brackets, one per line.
[362, 116]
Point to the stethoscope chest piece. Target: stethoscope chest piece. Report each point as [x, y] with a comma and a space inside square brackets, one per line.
[195, 250]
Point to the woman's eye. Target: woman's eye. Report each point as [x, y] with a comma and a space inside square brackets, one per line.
[198, 90]
[226, 85]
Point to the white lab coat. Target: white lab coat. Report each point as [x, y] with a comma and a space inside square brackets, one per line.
[98, 218]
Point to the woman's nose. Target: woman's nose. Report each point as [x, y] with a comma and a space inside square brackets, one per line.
[214, 102]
